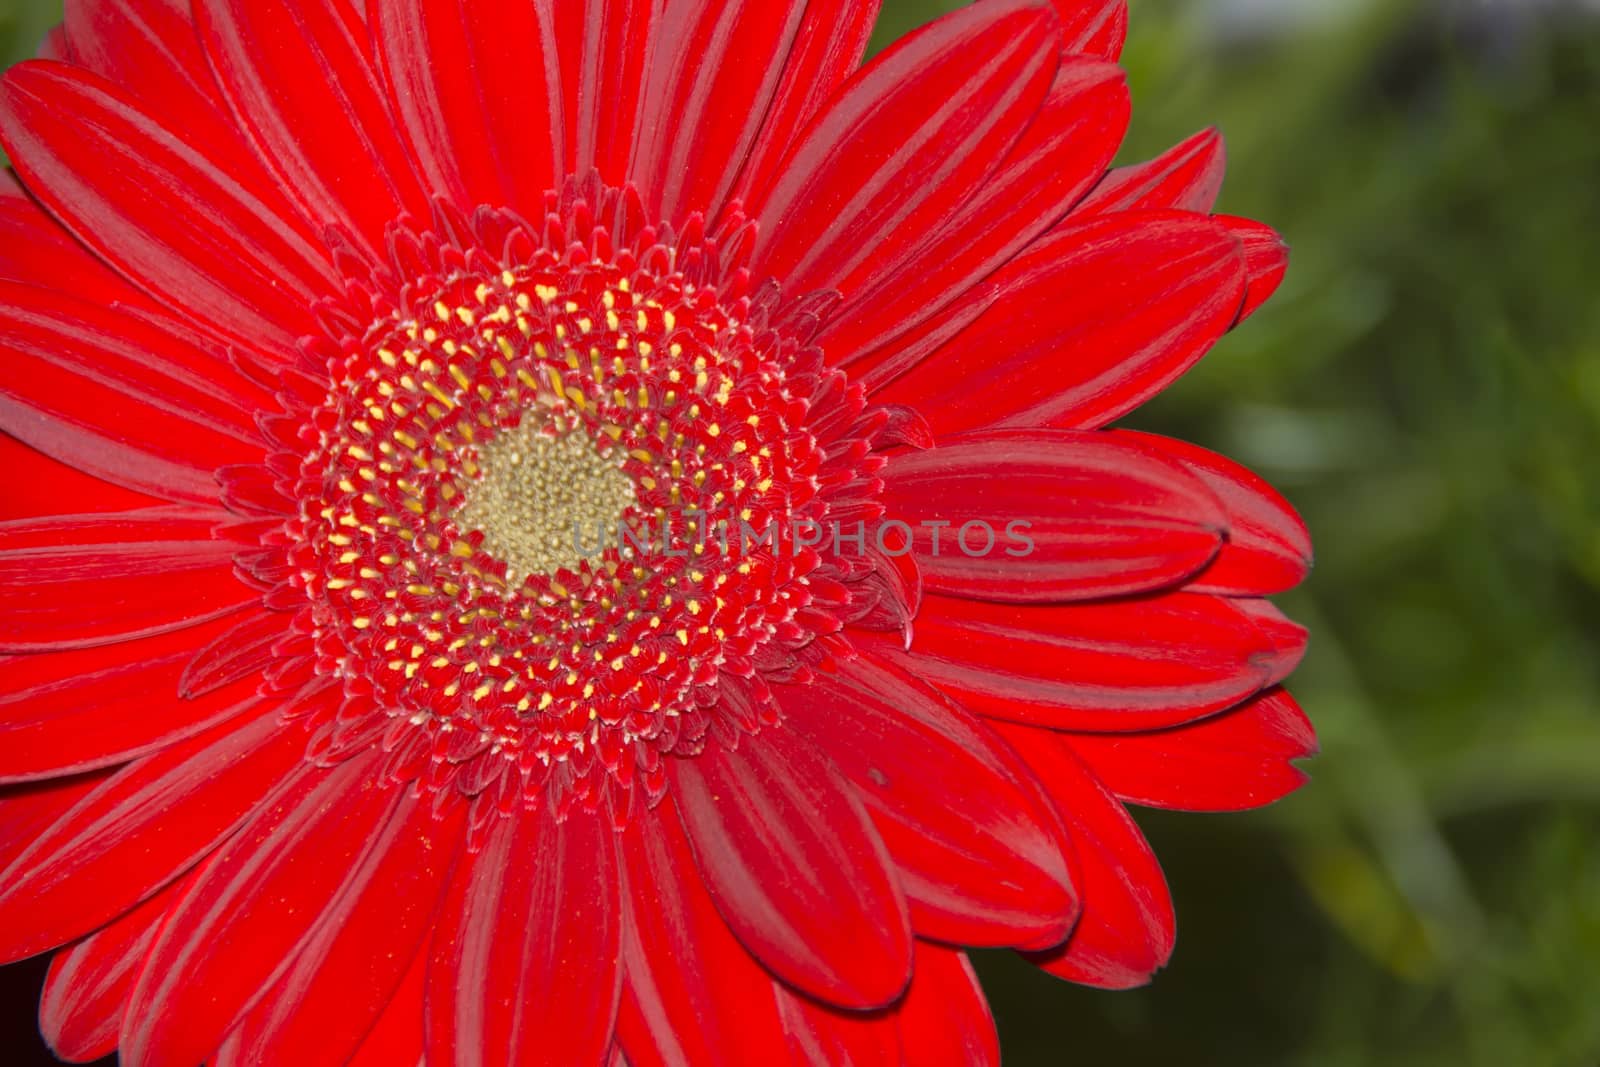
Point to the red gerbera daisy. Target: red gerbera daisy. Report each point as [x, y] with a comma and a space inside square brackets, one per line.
[322, 738]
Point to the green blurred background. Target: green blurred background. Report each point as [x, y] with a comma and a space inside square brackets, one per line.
[1426, 388]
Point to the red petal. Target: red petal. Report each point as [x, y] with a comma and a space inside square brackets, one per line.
[1268, 548]
[66, 712]
[78, 581]
[246, 919]
[137, 831]
[27, 811]
[241, 651]
[1187, 177]
[1041, 516]
[691, 143]
[302, 85]
[997, 875]
[693, 995]
[35, 249]
[39, 485]
[55, 46]
[471, 88]
[1094, 27]
[945, 1020]
[827, 51]
[120, 397]
[1128, 928]
[795, 867]
[1109, 667]
[397, 1037]
[604, 47]
[904, 145]
[1287, 637]
[525, 964]
[163, 523]
[1230, 762]
[188, 220]
[87, 990]
[148, 47]
[821, 1036]
[353, 962]
[884, 364]
[1063, 152]
[1266, 260]
[1092, 321]
[152, 52]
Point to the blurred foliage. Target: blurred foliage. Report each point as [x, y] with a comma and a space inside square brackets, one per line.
[1427, 389]
[23, 23]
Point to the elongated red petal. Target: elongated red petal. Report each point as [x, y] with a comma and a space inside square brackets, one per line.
[35, 249]
[1235, 761]
[87, 989]
[1187, 177]
[1128, 928]
[76, 582]
[530, 942]
[692, 138]
[827, 50]
[945, 1020]
[470, 84]
[821, 1036]
[352, 963]
[397, 1037]
[121, 397]
[192, 222]
[243, 650]
[995, 876]
[693, 996]
[301, 83]
[55, 46]
[1096, 28]
[164, 523]
[1042, 516]
[166, 67]
[1268, 549]
[1287, 638]
[1062, 153]
[889, 361]
[138, 830]
[1091, 322]
[904, 145]
[151, 50]
[604, 48]
[242, 923]
[1121, 665]
[62, 713]
[797, 870]
[1266, 260]
[39, 484]
[28, 810]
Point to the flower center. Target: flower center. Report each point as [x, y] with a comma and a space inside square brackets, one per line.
[503, 524]
[539, 489]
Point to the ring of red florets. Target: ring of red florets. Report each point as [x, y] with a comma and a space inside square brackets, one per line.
[572, 680]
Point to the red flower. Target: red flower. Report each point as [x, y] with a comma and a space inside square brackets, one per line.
[321, 738]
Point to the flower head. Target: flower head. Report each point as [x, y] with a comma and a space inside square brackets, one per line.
[586, 530]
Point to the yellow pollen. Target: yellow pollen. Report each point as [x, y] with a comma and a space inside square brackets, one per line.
[543, 496]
